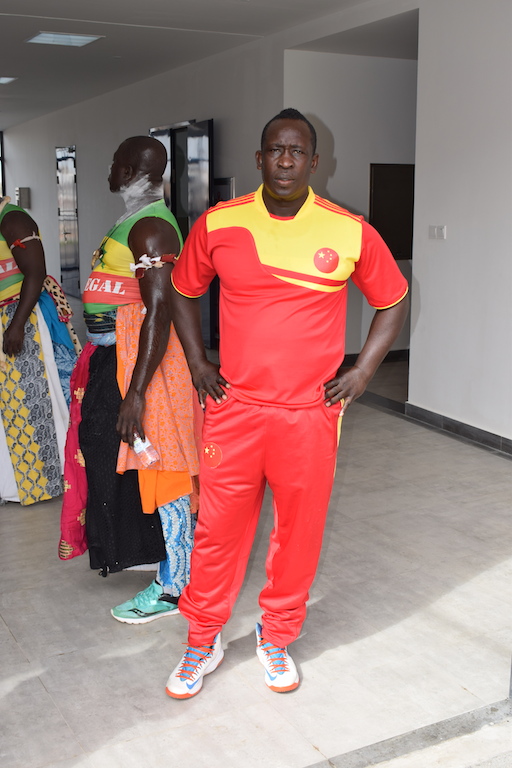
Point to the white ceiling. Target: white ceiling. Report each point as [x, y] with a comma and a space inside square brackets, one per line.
[142, 38]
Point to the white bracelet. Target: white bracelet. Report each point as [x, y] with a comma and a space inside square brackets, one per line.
[33, 236]
[147, 262]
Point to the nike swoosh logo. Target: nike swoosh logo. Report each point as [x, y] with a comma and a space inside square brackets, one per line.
[271, 677]
[192, 685]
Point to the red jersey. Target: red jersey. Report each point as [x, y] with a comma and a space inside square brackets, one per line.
[283, 291]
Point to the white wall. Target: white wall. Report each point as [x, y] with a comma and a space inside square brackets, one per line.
[364, 111]
[461, 334]
[240, 90]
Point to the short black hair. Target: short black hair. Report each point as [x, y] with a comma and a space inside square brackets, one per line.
[290, 114]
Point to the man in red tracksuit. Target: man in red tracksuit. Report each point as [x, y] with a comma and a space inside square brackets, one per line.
[283, 256]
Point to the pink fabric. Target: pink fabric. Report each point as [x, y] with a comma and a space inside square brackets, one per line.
[73, 540]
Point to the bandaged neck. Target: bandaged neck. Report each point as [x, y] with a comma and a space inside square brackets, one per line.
[138, 194]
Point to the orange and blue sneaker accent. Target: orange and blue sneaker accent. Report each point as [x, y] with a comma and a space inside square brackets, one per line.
[281, 673]
[186, 679]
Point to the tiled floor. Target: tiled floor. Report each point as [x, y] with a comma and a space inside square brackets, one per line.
[409, 623]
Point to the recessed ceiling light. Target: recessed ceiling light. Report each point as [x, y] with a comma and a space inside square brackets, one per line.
[6, 80]
[62, 38]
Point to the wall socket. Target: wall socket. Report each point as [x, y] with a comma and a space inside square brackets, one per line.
[437, 232]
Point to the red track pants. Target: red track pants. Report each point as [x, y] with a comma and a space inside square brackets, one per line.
[245, 446]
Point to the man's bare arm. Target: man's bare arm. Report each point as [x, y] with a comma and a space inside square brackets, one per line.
[154, 237]
[29, 257]
[205, 375]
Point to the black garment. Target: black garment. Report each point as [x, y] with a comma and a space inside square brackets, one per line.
[119, 534]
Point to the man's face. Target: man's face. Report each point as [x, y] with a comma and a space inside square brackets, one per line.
[286, 160]
[117, 175]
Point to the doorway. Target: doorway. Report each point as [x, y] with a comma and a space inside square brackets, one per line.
[391, 212]
[189, 191]
[68, 220]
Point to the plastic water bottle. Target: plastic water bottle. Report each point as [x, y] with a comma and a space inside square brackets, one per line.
[146, 452]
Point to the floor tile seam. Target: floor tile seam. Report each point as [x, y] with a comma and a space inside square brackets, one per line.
[466, 590]
[62, 714]
[11, 635]
[441, 612]
[56, 654]
[172, 731]
[423, 618]
[429, 618]
[207, 719]
[380, 550]
[414, 742]
[292, 722]
[73, 735]
[382, 408]
[276, 699]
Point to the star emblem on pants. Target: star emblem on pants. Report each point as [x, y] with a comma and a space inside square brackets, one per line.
[212, 455]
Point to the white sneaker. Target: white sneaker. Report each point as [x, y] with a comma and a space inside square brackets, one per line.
[187, 678]
[280, 671]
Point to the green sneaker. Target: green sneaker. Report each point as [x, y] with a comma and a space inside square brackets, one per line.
[148, 605]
